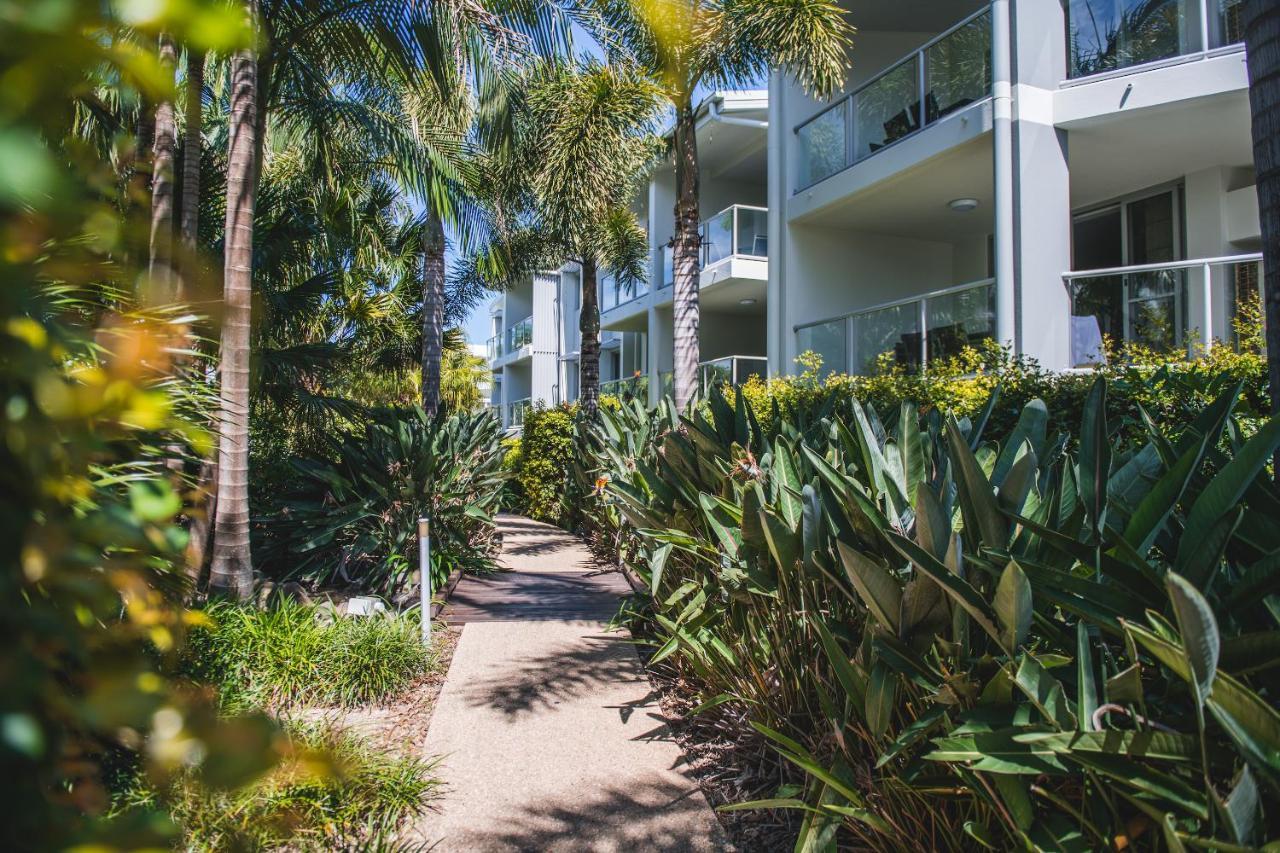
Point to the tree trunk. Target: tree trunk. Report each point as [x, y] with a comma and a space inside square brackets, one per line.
[1262, 41]
[231, 573]
[432, 311]
[160, 270]
[688, 245]
[589, 345]
[192, 145]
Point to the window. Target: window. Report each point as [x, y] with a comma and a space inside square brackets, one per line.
[1104, 35]
[1146, 307]
[828, 341]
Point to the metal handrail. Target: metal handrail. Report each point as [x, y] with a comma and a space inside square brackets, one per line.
[1190, 263]
[906, 300]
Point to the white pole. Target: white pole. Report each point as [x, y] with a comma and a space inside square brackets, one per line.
[424, 563]
[1206, 299]
[1002, 145]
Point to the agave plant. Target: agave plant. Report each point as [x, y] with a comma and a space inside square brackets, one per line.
[352, 518]
[1044, 643]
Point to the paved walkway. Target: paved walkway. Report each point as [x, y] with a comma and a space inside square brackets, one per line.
[551, 737]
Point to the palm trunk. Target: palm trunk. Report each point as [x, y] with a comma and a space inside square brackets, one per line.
[432, 311]
[589, 346]
[1262, 42]
[688, 244]
[231, 573]
[191, 147]
[160, 270]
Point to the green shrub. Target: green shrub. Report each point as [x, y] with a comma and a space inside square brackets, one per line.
[1052, 641]
[292, 654]
[353, 515]
[333, 791]
[546, 454]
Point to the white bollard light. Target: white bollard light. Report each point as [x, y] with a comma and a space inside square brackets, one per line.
[424, 563]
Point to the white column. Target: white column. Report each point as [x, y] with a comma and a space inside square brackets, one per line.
[776, 337]
[1002, 145]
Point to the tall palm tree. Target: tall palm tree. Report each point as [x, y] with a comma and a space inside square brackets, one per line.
[192, 143]
[231, 572]
[582, 144]
[1262, 41]
[688, 44]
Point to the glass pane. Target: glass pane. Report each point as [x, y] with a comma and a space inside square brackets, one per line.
[1097, 240]
[958, 320]
[1103, 35]
[1244, 283]
[958, 69]
[828, 341]
[1097, 314]
[668, 266]
[1155, 308]
[1151, 233]
[753, 232]
[717, 238]
[894, 330]
[822, 146]
[1227, 24]
[608, 293]
[717, 373]
[887, 110]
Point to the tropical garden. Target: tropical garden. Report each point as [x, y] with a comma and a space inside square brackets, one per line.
[982, 606]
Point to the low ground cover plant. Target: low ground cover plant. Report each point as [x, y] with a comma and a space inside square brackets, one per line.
[350, 518]
[290, 655]
[1029, 638]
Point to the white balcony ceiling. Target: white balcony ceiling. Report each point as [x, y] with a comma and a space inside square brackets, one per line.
[911, 16]
[1127, 152]
[914, 202]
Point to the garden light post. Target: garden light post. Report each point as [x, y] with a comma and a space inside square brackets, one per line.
[424, 563]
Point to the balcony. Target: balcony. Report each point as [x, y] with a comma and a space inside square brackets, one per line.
[637, 387]
[614, 293]
[907, 333]
[1112, 35]
[520, 335]
[516, 411]
[944, 76]
[495, 347]
[1162, 307]
[731, 370]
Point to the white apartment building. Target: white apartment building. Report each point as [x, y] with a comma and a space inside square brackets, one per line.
[1044, 172]
[1040, 172]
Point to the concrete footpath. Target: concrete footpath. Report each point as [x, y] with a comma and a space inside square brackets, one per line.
[550, 736]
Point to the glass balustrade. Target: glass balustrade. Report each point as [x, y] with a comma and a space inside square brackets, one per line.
[1108, 35]
[495, 347]
[731, 370]
[516, 411]
[947, 74]
[905, 334]
[520, 335]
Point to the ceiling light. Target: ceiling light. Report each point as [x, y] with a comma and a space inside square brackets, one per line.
[962, 205]
[746, 302]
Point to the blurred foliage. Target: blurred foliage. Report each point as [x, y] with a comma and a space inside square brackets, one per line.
[90, 559]
[335, 792]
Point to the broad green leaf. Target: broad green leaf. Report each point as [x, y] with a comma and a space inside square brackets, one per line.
[996, 752]
[1095, 454]
[850, 679]
[1086, 682]
[1242, 807]
[879, 590]
[882, 688]
[1125, 687]
[1148, 520]
[1223, 494]
[656, 565]
[1044, 691]
[955, 586]
[976, 496]
[1165, 746]
[1032, 423]
[1013, 606]
[933, 525]
[1199, 631]
[912, 735]
[784, 544]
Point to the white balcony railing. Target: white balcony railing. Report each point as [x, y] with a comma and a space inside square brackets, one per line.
[948, 73]
[520, 335]
[1161, 306]
[1112, 35]
[908, 331]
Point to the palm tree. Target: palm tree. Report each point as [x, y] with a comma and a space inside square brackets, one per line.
[582, 143]
[1262, 41]
[231, 572]
[687, 44]
[192, 139]
[160, 270]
